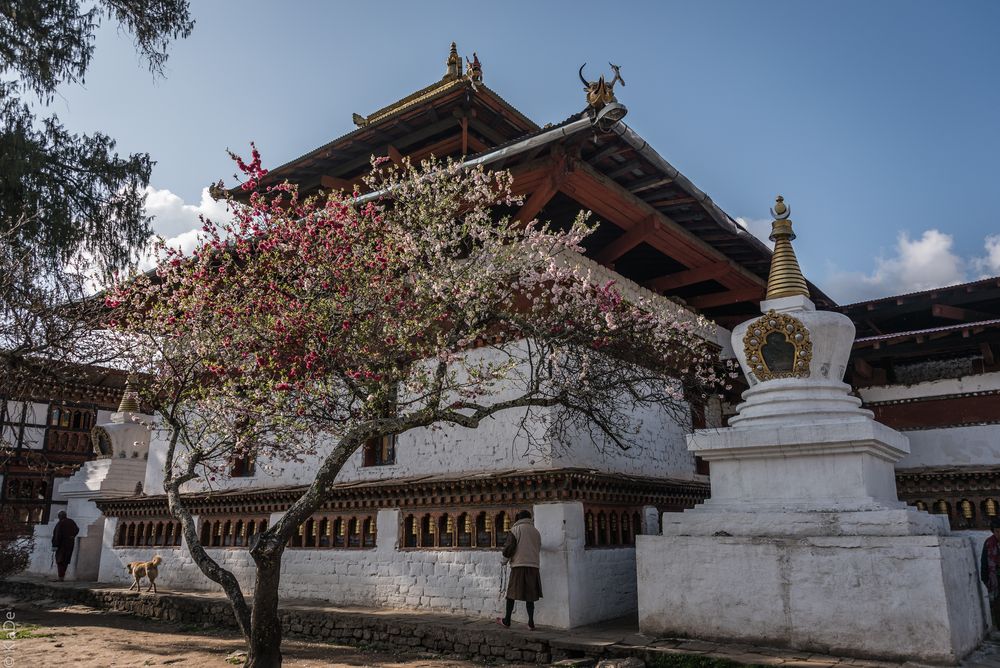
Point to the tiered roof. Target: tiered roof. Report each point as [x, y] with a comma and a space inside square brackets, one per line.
[655, 226]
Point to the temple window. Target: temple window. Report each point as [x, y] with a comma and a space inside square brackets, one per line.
[379, 451]
[446, 531]
[324, 532]
[484, 530]
[339, 532]
[427, 531]
[240, 534]
[920, 505]
[149, 533]
[410, 531]
[967, 512]
[368, 538]
[989, 507]
[611, 527]
[465, 530]
[590, 529]
[243, 466]
[354, 533]
[941, 507]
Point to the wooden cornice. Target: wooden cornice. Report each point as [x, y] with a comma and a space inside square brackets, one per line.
[502, 488]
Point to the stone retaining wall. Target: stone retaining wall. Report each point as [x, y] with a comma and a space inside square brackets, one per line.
[323, 624]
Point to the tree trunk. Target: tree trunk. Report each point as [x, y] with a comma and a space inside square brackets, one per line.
[264, 649]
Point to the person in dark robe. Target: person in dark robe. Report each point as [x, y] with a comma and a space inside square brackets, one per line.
[989, 569]
[63, 540]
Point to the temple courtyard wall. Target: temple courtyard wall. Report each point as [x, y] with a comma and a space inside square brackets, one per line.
[581, 584]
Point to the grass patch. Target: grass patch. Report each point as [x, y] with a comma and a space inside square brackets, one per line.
[25, 631]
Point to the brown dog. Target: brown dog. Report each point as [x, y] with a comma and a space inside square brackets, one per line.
[148, 569]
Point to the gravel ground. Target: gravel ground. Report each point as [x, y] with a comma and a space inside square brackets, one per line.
[57, 635]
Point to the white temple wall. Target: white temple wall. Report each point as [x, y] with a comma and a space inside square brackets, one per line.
[659, 448]
[973, 383]
[580, 586]
[953, 446]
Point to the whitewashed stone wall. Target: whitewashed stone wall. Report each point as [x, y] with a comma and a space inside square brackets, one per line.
[580, 586]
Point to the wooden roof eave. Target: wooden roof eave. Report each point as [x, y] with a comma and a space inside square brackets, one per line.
[390, 116]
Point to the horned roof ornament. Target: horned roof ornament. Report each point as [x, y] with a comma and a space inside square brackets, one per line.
[602, 104]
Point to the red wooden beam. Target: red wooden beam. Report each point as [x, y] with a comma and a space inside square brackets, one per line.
[611, 201]
[335, 183]
[679, 279]
[728, 297]
[539, 198]
[960, 314]
[395, 155]
[626, 242]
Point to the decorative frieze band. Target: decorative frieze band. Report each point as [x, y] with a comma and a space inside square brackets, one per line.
[494, 489]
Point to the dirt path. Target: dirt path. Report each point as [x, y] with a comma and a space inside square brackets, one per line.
[83, 637]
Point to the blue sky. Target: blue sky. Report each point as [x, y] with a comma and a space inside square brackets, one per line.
[878, 121]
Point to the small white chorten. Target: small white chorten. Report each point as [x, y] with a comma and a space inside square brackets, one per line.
[804, 542]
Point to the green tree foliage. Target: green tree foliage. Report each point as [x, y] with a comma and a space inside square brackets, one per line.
[63, 193]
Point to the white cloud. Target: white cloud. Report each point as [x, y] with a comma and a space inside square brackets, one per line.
[177, 222]
[916, 264]
[989, 265]
[759, 227]
[171, 216]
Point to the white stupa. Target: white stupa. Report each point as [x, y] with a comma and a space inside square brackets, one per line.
[804, 542]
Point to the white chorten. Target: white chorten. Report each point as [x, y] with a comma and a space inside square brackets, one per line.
[804, 542]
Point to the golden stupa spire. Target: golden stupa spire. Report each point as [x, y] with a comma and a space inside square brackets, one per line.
[785, 278]
[130, 399]
[454, 64]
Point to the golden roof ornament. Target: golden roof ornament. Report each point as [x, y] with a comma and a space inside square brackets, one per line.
[602, 105]
[473, 68]
[601, 93]
[454, 63]
[130, 399]
[785, 278]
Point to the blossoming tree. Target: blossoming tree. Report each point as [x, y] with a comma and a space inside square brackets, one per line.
[309, 325]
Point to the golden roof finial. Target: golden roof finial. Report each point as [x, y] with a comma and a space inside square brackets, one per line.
[454, 70]
[130, 399]
[785, 278]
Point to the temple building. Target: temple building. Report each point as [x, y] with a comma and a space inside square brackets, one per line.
[928, 365]
[416, 521]
[45, 429]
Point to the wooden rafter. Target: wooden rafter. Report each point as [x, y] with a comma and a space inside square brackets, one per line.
[626, 242]
[334, 183]
[612, 202]
[728, 297]
[647, 182]
[679, 279]
[555, 174]
[988, 357]
[960, 314]
[394, 154]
